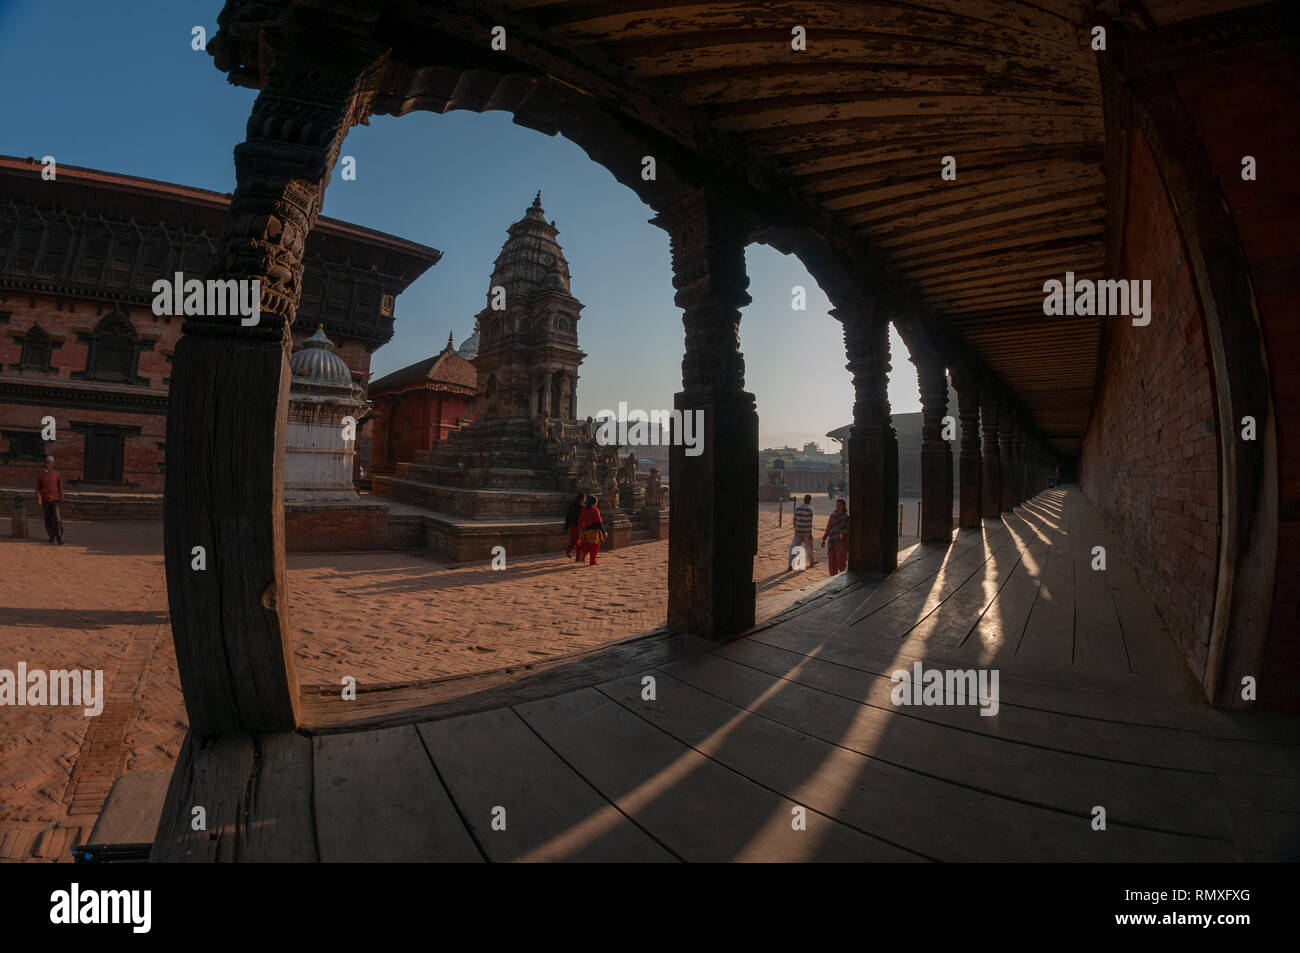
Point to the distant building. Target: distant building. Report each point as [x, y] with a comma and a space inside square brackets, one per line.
[908, 428]
[79, 341]
[419, 405]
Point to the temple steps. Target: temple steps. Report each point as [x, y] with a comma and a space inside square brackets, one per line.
[474, 477]
[473, 503]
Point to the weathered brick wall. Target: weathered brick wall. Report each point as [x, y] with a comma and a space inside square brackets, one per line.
[1150, 460]
[1247, 107]
[64, 318]
[312, 528]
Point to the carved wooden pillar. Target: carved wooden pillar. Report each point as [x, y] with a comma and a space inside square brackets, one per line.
[873, 442]
[1027, 464]
[936, 453]
[1006, 467]
[968, 403]
[1017, 461]
[713, 528]
[991, 461]
[229, 398]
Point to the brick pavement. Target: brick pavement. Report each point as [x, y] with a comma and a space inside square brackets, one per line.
[99, 602]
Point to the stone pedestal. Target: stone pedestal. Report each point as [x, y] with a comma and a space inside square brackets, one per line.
[631, 496]
[618, 528]
[18, 521]
[655, 519]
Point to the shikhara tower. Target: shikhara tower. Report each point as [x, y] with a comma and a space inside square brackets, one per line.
[528, 352]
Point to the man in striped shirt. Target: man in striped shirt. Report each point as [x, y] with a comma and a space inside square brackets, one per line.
[803, 528]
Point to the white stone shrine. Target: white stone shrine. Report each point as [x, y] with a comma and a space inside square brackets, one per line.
[318, 459]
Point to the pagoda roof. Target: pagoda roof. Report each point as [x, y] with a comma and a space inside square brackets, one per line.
[446, 368]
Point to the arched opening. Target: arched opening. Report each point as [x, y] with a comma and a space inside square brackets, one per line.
[112, 350]
[795, 367]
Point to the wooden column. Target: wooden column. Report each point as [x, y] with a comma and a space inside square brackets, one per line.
[1017, 460]
[713, 528]
[968, 403]
[873, 442]
[991, 461]
[1006, 467]
[936, 453]
[229, 399]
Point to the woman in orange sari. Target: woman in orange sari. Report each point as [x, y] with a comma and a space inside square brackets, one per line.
[591, 531]
[837, 533]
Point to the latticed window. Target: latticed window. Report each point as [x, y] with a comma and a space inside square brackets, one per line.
[36, 350]
[112, 354]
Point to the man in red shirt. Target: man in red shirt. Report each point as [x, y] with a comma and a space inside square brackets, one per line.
[49, 492]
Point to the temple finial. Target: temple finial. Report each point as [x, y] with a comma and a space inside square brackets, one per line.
[537, 202]
[450, 346]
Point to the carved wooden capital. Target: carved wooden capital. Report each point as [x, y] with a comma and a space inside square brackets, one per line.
[708, 254]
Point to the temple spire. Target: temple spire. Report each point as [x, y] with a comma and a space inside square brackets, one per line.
[537, 202]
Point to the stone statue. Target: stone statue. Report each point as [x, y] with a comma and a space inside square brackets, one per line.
[627, 471]
[587, 475]
[588, 429]
[654, 491]
[610, 502]
[607, 453]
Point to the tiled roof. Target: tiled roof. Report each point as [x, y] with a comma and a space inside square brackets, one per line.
[447, 367]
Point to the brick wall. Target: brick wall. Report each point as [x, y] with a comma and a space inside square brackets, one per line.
[1248, 106]
[64, 319]
[1150, 460]
[312, 528]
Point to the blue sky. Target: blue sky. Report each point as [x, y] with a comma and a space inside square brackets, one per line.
[118, 87]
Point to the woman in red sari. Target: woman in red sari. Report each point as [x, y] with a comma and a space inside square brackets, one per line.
[591, 531]
[837, 532]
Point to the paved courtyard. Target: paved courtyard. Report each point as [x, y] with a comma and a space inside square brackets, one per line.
[100, 602]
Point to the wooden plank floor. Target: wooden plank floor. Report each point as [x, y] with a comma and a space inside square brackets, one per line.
[787, 744]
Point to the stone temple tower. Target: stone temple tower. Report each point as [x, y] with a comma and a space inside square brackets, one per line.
[528, 352]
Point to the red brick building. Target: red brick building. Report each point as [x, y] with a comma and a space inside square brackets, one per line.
[418, 405]
[79, 341]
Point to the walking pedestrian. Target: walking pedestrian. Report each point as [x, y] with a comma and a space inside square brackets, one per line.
[830, 491]
[591, 530]
[49, 494]
[803, 527]
[837, 536]
[571, 516]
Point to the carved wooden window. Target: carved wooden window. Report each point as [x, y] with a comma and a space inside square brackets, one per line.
[23, 445]
[122, 254]
[112, 354]
[36, 350]
[103, 455]
[94, 247]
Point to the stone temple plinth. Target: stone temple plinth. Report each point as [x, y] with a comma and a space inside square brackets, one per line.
[323, 510]
[507, 478]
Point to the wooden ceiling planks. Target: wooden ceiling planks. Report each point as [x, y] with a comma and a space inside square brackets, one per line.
[860, 121]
